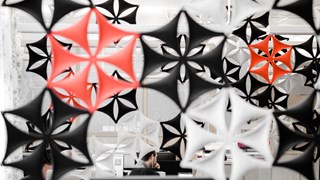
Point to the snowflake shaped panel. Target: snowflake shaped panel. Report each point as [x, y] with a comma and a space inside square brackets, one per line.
[107, 85]
[228, 138]
[142, 137]
[119, 15]
[121, 100]
[303, 137]
[39, 62]
[278, 60]
[48, 137]
[197, 34]
[307, 61]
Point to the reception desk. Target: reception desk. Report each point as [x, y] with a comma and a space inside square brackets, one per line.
[174, 171]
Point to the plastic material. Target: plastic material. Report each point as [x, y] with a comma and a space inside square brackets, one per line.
[32, 114]
[311, 70]
[304, 114]
[120, 16]
[213, 112]
[138, 140]
[272, 59]
[168, 135]
[123, 108]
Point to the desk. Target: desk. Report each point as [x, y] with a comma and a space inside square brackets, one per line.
[158, 178]
[172, 167]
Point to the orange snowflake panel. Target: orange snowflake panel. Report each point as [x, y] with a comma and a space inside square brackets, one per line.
[277, 57]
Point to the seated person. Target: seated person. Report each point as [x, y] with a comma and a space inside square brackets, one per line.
[148, 161]
[46, 161]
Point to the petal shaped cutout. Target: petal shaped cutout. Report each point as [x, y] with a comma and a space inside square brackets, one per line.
[152, 60]
[110, 86]
[63, 164]
[62, 111]
[42, 45]
[278, 72]
[242, 33]
[16, 138]
[239, 169]
[107, 33]
[216, 160]
[264, 19]
[299, 8]
[168, 33]
[30, 112]
[260, 134]
[255, 32]
[36, 158]
[303, 111]
[198, 34]
[109, 6]
[238, 107]
[303, 164]
[131, 97]
[124, 5]
[131, 18]
[285, 59]
[77, 138]
[123, 110]
[62, 8]
[81, 27]
[198, 87]
[246, 8]
[264, 72]
[123, 59]
[97, 147]
[214, 108]
[255, 58]
[212, 59]
[168, 135]
[108, 162]
[278, 46]
[40, 70]
[263, 45]
[287, 139]
[168, 86]
[194, 143]
[78, 86]
[62, 59]
[108, 110]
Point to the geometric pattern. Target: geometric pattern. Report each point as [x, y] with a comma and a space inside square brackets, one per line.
[271, 62]
[274, 59]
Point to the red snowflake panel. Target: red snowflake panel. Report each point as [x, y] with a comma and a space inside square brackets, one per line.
[77, 84]
[270, 62]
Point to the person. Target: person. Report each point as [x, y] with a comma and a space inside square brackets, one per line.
[47, 163]
[148, 161]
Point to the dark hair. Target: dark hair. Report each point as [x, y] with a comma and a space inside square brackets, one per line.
[143, 171]
[147, 156]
